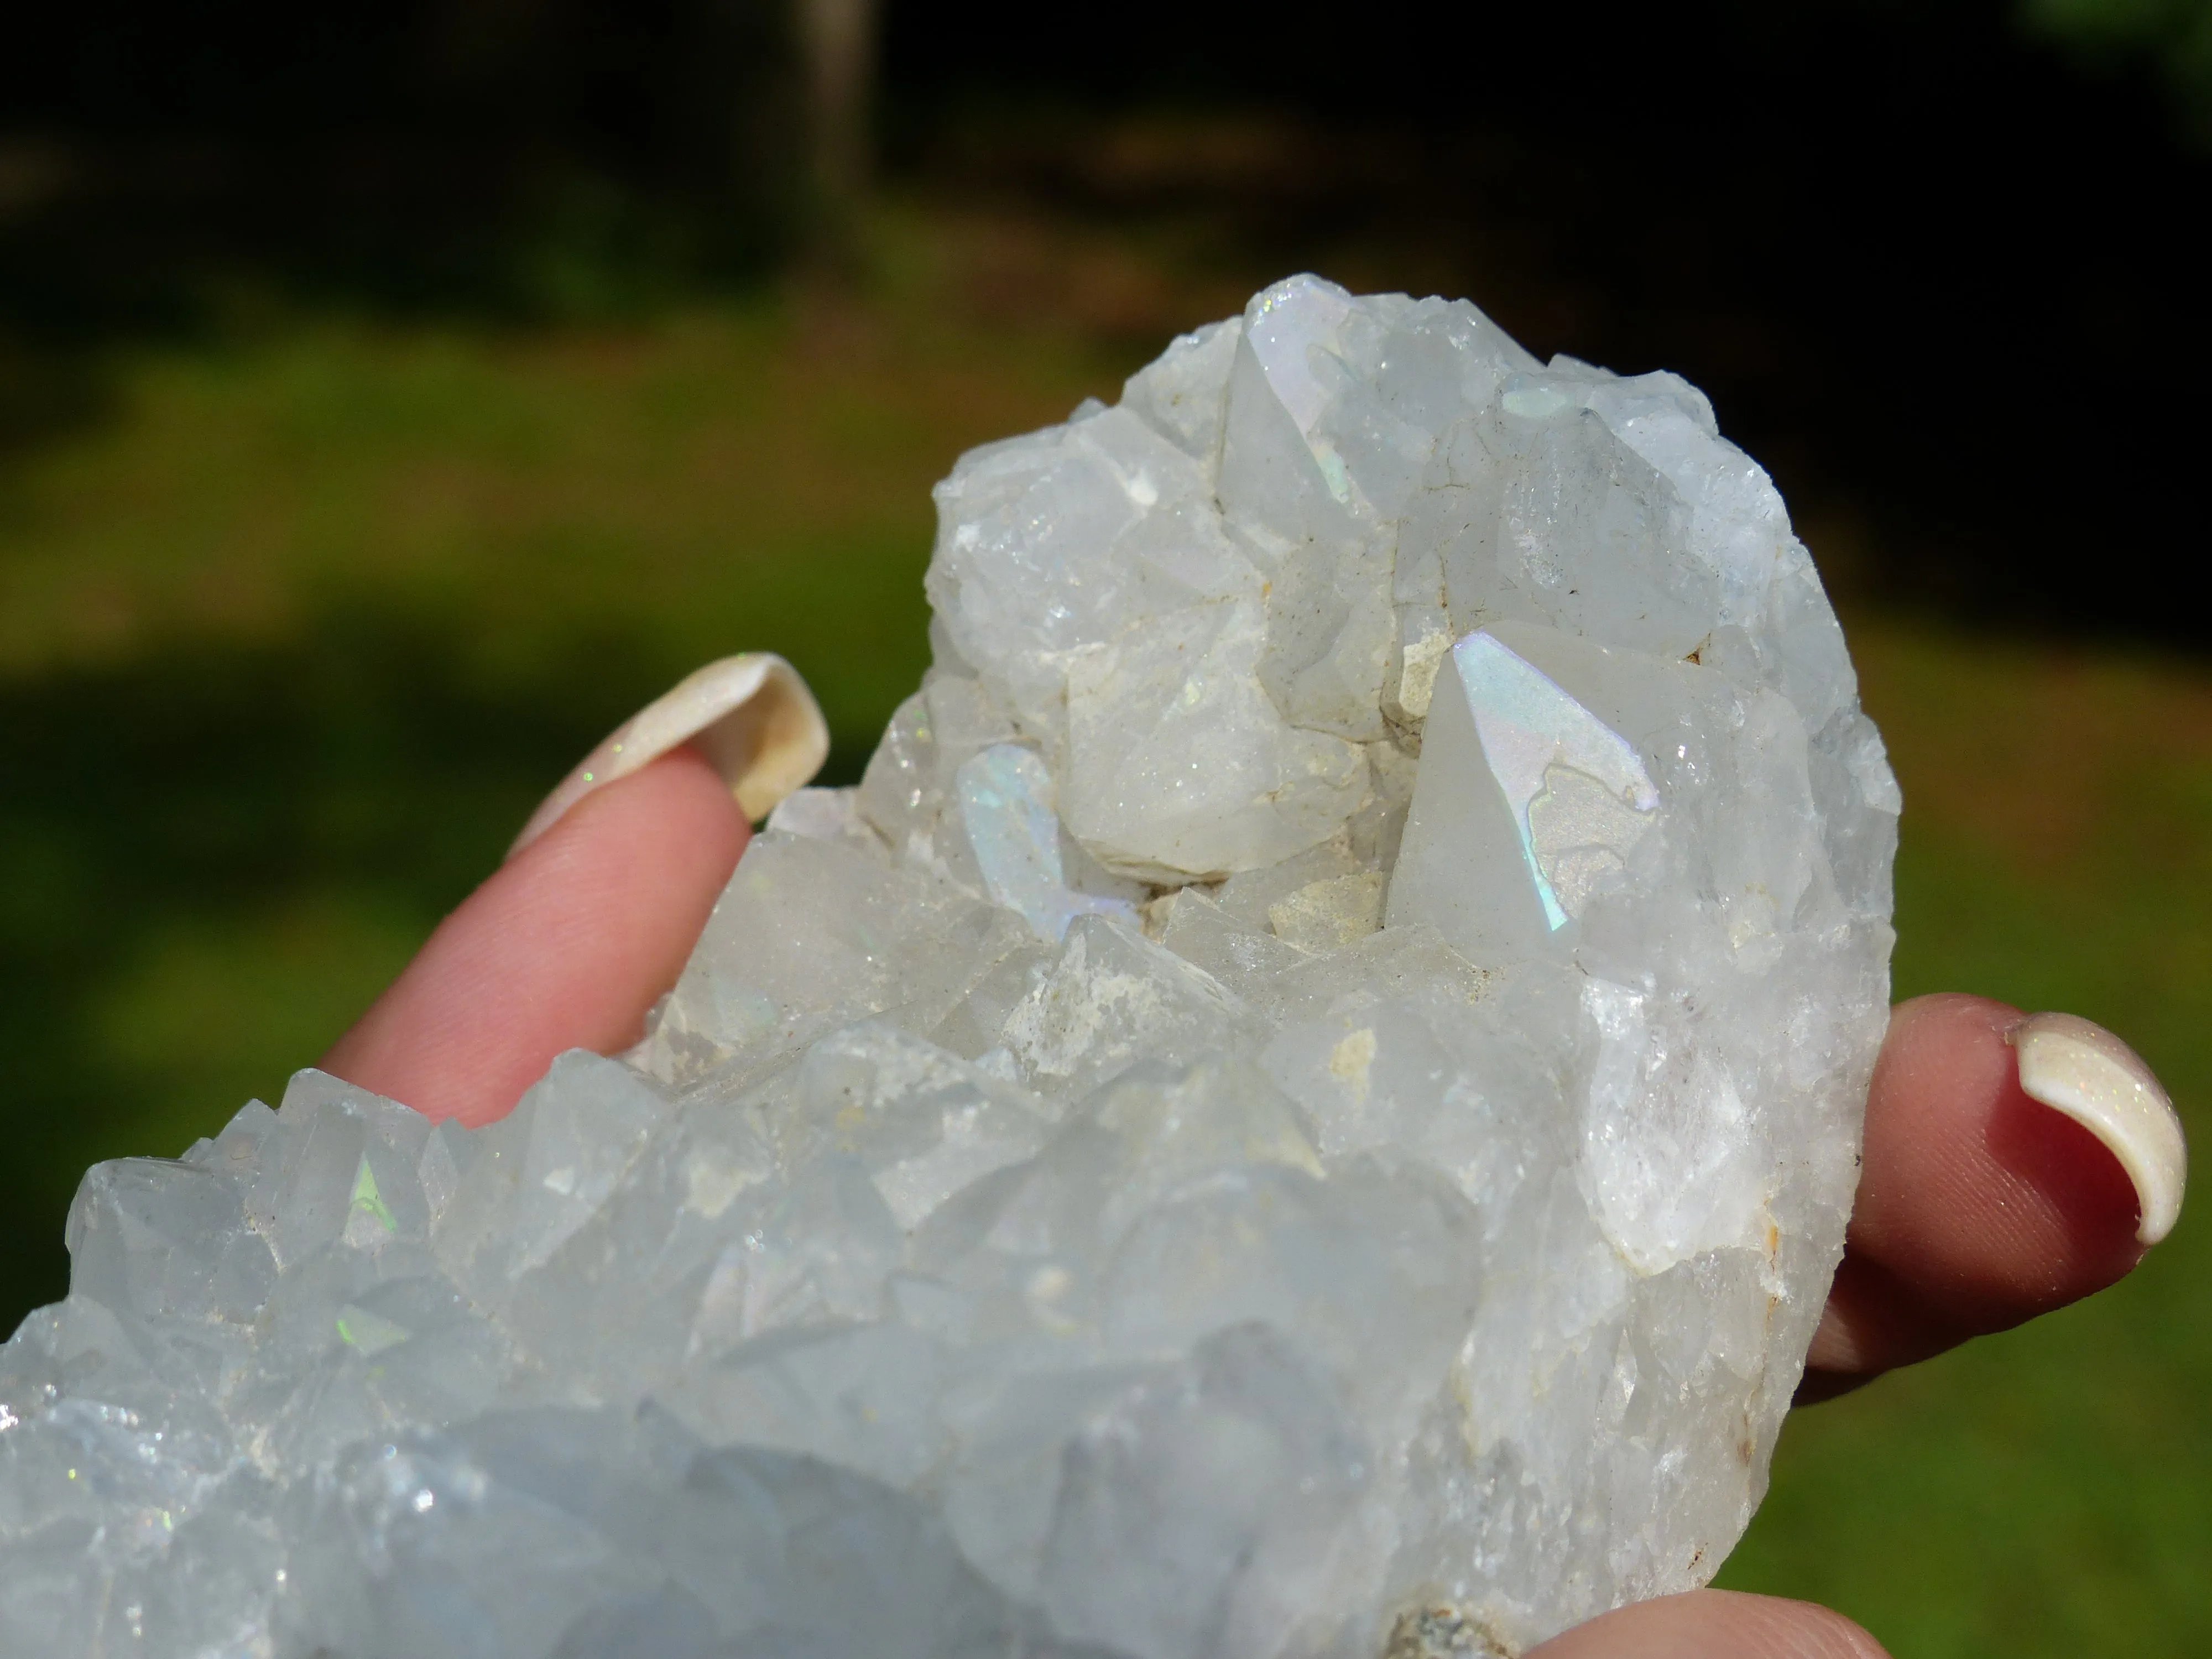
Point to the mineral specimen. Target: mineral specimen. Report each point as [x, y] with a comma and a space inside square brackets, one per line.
[1306, 1105]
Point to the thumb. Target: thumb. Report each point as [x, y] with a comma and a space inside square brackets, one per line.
[1714, 1624]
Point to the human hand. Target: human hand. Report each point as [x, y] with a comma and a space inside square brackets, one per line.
[1978, 1207]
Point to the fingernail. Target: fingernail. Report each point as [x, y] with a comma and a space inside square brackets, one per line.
[2082, 1070]
[752, 716]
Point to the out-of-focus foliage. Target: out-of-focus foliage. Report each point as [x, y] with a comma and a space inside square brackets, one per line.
[2174, 35]
[166, 167]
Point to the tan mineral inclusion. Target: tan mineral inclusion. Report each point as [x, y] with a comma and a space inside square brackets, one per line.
[1305, 1106]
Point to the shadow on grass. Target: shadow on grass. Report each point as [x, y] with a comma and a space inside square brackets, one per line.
[214, 857]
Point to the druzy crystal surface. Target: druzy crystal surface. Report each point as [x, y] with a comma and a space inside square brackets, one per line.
[1306, 1105]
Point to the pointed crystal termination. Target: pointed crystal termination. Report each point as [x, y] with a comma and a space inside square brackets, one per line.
[1006, 807]
[1575, 796]
[1305, 1106]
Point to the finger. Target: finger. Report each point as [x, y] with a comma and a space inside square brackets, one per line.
[1979, 1206]
[1714, 1624]
[565, 947]
[751, 716]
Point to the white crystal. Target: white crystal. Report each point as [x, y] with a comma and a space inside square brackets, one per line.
[1006, 810]
[1306, 1105]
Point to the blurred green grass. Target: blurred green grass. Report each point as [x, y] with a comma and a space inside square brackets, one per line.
[295, 634]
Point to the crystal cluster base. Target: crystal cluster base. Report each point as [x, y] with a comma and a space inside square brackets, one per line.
[1305, 1106]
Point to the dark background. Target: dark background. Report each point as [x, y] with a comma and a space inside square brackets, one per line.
[393, 398]
[1933, 257]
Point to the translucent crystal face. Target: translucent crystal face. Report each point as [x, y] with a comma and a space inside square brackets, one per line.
[1305, 1106]
[1580, 799]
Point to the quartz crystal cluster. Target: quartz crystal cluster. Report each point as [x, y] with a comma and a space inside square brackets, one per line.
[1304, 1106]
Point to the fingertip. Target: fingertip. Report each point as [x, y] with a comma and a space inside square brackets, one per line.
[751, 718]
[1979, 1206]
[566, 945]
[2085, 1073]
[1715, 1625]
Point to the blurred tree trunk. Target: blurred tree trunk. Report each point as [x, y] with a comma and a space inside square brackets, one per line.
[838, 39]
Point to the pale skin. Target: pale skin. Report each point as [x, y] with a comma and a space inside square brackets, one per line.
[1977, 1208]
